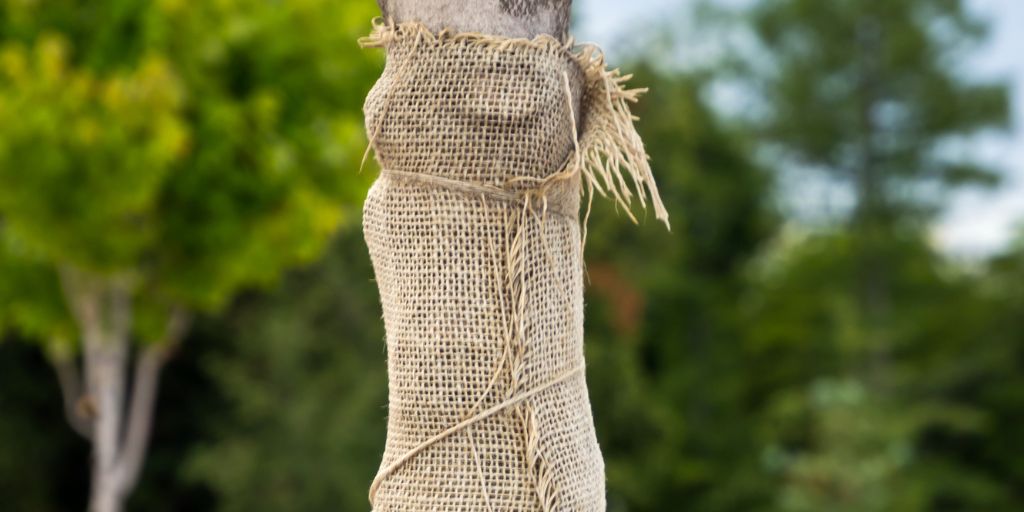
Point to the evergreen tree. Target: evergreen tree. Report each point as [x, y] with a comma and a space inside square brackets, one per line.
[870, 94]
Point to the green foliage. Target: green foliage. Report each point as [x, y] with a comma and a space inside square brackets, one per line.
[193, 150]
[31, 301]
[852, 405]
[872, 91]
[662, 311]
[310, 408]
[83, 158]
[870, 339]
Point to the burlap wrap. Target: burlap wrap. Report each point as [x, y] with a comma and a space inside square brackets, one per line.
[485, 146]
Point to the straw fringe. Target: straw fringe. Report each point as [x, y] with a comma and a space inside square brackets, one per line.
[610, 147]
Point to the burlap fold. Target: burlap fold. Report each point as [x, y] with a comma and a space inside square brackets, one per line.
[486, 145]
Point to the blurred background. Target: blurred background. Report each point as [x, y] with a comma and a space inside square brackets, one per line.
[835, 323]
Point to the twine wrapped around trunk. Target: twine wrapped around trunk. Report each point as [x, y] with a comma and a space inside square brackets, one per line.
[486, 146]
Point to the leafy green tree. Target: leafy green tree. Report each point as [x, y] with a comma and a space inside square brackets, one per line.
[155, 158]
[870, 92]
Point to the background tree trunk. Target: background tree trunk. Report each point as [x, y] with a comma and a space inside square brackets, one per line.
[118, 430]
[105, 368]
[511, 18]
[105, 319]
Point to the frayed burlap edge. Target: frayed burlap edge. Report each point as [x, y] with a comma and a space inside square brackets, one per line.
[608, 147]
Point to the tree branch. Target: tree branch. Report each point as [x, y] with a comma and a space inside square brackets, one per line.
[70, 380]
[148, 365]
[145, 388]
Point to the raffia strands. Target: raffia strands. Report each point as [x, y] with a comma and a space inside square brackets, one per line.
[486, 146]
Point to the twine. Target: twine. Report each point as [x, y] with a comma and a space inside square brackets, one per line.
[466, 423]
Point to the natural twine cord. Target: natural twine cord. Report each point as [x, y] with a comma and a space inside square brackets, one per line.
[495, 192]
[482, 295]
[468, 422]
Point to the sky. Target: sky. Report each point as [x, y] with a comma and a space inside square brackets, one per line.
[977, 223]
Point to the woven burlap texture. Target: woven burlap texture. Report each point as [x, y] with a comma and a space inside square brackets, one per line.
[486, 146]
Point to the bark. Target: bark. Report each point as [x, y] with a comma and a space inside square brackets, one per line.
[511, 18]
[106, 356]
[105, 376]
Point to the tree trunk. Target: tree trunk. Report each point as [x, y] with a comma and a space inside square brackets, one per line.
[103, 313]
[519, 472]
[510, 18]
[873, 215]
[106, 369]
[106, 356]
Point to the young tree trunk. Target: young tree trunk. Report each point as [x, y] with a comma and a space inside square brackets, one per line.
[105, 368]
[119, 432]
[534, 485]
[510, 18]
[103, 314]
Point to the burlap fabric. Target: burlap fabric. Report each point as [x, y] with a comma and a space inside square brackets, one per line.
[485, 145]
